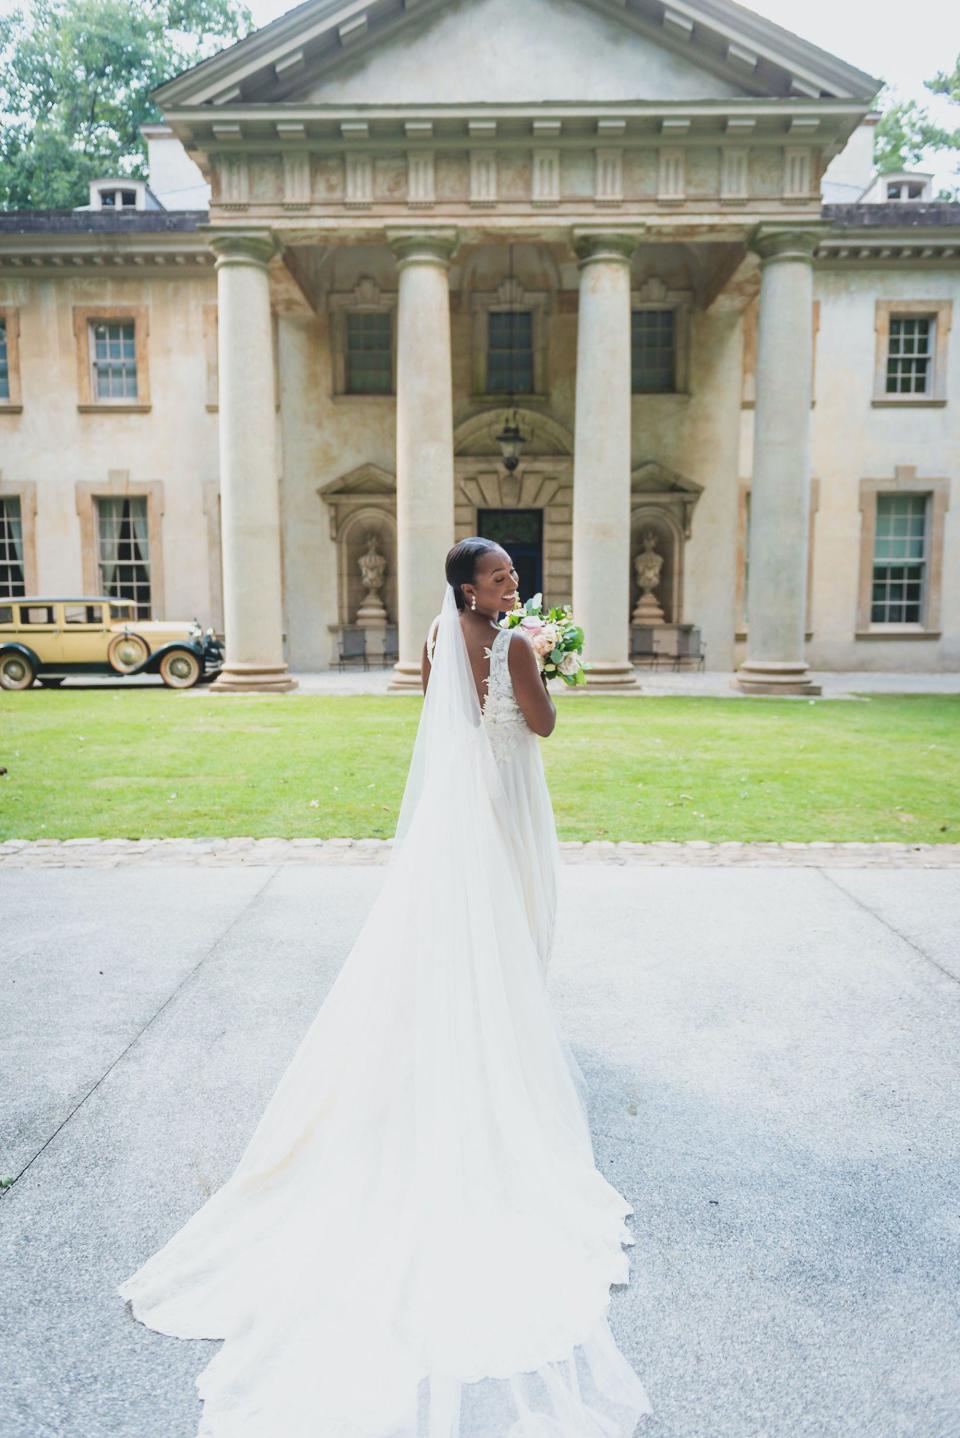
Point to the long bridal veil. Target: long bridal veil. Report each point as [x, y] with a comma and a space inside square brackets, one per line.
[416, 1242]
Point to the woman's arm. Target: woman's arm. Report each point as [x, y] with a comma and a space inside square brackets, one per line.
[426, 655]
[529, 685]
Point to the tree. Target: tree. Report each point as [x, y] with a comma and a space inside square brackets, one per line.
[906, 135]
[75, 82]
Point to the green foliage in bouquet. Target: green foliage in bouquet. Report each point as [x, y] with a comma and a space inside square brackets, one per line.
[556, 638]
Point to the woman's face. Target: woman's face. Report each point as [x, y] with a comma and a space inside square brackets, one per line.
[494, 583]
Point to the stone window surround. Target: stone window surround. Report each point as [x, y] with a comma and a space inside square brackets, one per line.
[26, 491]
[118, 483]
[741, 630]
[509, 295]
[905, 480]
[366, 297]
[83, 317]
[751, 315]
[941, 312]
[654, 295]
[13, 405]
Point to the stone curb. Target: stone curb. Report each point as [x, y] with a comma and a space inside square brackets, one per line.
[215, 852]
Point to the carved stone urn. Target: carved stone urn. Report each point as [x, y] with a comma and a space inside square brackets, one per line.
[373, 569]
[647, 566]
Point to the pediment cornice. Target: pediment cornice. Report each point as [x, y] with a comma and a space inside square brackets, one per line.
[271, 65]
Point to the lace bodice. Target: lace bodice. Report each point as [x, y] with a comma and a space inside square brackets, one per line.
[500, 712]
[502, 715]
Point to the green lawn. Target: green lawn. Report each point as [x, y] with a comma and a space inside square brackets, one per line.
[152, 763]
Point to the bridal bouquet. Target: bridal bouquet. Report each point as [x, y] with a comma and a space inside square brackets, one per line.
[557, 640]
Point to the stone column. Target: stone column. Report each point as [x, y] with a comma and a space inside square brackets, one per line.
[249, 486]
[424, 437]
[780, 493]
[602, 457]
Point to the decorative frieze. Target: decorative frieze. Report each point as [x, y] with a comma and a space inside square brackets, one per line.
[671, 176]
[608, 181]
[296, 179]
[421, 182]
[545, 178]
[358, 177]
[734, 173]
[483, 177]
[234, 179]
[797, 172]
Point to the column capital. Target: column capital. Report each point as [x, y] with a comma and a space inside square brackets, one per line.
[423, 244]
[241, 247]
[774, 242]
[594, 242]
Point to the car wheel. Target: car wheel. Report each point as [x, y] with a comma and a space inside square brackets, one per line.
[16, 671]
[127, 652]
[52, 681]
[180, 669]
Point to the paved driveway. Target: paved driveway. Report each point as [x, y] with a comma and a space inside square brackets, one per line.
[773, 1056]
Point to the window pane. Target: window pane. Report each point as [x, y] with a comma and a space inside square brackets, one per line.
[4, 362]
[82, 613]
[653, 351]
[114, 359]
[369, 363]
[909, 350]
[510, 352]
[899, 559]
[124, 550]
[36, 614]
[11, 548]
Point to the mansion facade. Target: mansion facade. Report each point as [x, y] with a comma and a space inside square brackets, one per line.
[632, 302]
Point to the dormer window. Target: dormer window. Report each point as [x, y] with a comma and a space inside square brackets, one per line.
[117, 194]
[905, 190]
[125, 199]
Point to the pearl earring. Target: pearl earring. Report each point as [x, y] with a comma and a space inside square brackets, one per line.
[473, 602]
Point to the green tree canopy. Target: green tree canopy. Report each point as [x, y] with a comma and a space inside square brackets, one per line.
[75, 82]
[906, 135]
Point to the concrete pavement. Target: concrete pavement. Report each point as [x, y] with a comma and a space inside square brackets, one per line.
[772, 1052]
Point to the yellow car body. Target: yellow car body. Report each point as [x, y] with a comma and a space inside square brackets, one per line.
[48, 638]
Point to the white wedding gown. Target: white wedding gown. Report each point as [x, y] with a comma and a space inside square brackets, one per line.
[416, 1242]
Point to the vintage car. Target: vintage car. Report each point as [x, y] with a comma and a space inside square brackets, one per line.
[46, 639]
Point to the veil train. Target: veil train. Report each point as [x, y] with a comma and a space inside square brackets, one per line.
[416, 1242]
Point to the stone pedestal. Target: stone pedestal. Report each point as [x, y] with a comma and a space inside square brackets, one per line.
[601, 464]
[424, 438]
[780, 495]
[249, 497]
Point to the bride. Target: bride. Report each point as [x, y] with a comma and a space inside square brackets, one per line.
[416, 1242]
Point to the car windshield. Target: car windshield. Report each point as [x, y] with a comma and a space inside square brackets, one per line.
[122, 611]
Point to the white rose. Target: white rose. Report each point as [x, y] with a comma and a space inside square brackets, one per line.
[570, 662]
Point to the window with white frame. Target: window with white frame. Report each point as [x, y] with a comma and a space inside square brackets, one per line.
[910, 346]
[123, 549]
[4, 360]
[510, 352]
[114, 359]
[369, 367]
[653, 351]
[11, 548]
[899, 559]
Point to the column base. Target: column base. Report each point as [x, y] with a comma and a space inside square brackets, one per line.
[608, 675]
[772, 676]
[406, 680]
[253, 679]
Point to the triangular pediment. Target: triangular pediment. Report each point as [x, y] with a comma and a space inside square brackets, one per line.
[651, 475]
[365, 482]
[468, 52]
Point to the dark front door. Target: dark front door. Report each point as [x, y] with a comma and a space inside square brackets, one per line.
[520, 531]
